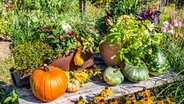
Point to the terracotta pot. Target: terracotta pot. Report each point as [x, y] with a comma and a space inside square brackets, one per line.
[108, 52]
[67, 62]
[63, 62]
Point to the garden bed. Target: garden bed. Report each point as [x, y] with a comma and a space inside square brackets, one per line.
[91, 89]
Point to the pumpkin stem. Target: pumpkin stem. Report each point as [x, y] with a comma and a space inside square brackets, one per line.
[115, 71]
[46, 68]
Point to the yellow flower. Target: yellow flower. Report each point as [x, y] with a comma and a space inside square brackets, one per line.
[102, 101]
[146, 101]
[145, 93]
[82, 39]
[123, 17]
[134, 101]
[96, 99]
[106, 92]
[78, 43]
[160, 101]
[172, 6]
[91, 39]
[169, 101]
[91, 72]
[113, 101]
[128, 102]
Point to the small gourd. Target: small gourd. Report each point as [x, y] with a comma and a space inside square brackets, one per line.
[73, 85]
[77, 58]
[113, 76]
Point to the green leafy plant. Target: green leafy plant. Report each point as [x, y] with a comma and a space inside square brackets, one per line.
[123, 7]
[6, 16]
[88, 36]
[132, 36]
[55, 6]
[173, 49]
[172, 44]
[59, 37]
[23, 27]
[100, 2]
[38, 53]
[7, 97]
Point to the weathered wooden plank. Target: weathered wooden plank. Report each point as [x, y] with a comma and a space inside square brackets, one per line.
[90, 89]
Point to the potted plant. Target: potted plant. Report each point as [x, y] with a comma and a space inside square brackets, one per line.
[69, 39]
[88, 38]
[136, 40]
[28, 59]
[114, 10]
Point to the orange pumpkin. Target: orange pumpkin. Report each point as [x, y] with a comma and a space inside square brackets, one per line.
[48, 83]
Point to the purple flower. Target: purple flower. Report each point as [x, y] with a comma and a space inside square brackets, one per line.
[6, 6]
[175, 23]
[165, 24]
[179, 24]
[171, 32]
[163, 29]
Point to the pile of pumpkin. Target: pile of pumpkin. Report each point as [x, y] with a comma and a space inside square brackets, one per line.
[50, 82]
[155, 65]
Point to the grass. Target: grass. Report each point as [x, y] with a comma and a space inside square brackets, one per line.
[5, 77]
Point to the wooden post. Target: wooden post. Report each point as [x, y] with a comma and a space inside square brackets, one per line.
[82, 8]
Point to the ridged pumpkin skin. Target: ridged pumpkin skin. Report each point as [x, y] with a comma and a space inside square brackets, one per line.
[135, 73]
[113, 76]
[157, 63]
[50, 85]
[73, 85]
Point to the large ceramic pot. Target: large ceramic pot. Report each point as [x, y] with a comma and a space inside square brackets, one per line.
[63, 62]
[108, 52]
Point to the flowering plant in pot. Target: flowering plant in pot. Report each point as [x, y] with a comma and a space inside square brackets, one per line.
[88, 40]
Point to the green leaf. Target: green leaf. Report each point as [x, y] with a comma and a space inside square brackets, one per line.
[7, 99]
[42, 35]
[56, 41]
[51, 37]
